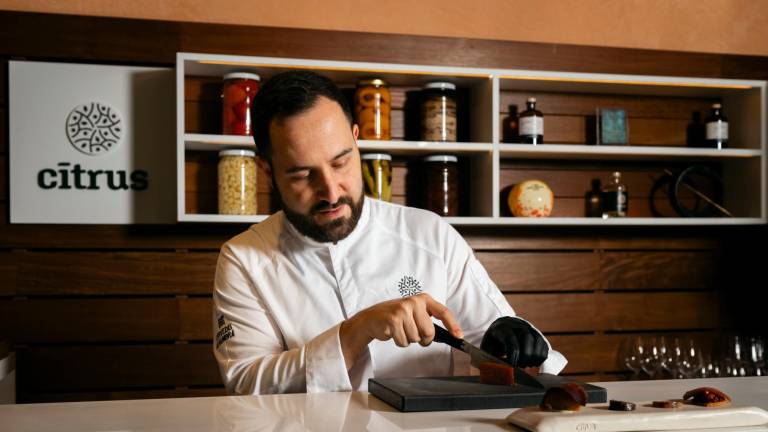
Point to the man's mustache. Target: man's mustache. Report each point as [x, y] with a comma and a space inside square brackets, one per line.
[326, 206]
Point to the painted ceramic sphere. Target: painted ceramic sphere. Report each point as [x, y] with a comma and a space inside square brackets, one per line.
[531, 198]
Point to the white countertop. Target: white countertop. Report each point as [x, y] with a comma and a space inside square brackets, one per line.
[322, 412]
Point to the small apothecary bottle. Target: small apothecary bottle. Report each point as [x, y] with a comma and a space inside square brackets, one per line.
[531, 124]
[615, 197]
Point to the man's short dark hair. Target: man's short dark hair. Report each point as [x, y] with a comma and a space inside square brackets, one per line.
[287, 94]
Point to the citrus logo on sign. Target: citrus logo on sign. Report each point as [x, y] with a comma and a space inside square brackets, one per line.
[94, 128]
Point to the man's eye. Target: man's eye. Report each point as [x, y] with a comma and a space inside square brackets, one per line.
[341, 163]
[301, 175]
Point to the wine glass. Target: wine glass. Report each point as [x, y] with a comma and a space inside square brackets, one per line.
[632, 355]
[672, 357]
[691, 360]
[756, 356]
[654, 358]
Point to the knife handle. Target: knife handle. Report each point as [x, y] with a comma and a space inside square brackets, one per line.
[442, 335]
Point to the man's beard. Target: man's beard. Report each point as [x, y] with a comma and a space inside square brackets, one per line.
[333, 231]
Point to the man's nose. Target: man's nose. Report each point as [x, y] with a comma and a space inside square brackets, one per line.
[328, 187]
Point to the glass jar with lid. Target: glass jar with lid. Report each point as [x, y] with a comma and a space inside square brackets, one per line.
[442, 184]
[372, 109]
[237, 182]
[238, 91]
[438, 112]
[377, 175]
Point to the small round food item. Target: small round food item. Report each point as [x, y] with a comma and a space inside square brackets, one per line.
[667, 404]
[496, 374]
[564, 397]
[707, 396]
[617, 405]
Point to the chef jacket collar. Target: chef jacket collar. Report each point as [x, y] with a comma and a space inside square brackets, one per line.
[350, 239]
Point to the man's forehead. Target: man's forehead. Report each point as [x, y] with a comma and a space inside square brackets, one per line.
[319, 134]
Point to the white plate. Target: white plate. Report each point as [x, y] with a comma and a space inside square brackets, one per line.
[597, 417]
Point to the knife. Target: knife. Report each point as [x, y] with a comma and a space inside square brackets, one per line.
[477, 356]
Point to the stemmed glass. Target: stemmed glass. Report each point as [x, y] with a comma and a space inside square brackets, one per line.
[654, 358]
[691, 360]
[633, 355]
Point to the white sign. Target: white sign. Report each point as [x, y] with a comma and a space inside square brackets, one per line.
[91, 144]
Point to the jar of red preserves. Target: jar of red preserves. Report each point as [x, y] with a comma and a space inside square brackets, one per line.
[238, 91]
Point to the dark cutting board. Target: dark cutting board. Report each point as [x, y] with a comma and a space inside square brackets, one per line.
[466, 393]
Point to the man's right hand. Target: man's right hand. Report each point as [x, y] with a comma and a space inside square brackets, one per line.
[406, 321]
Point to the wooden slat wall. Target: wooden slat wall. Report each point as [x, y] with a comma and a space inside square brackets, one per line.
[110, 312]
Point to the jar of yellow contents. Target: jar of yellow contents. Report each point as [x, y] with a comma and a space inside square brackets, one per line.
[237, 182]
[377, 175]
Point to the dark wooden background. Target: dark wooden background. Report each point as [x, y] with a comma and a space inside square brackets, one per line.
[105, 312]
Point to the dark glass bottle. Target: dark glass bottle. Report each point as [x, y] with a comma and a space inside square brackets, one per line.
[531, 124]
[593, 200]
[716, 128]
[695, 133]
[511, 130]
[615, 197]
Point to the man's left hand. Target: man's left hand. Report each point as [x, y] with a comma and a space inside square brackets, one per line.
[514, 340]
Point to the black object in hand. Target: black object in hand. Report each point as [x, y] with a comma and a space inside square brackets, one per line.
[515, 341]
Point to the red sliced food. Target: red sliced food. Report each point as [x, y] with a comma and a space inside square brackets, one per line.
[564, 397]
[241, 110]
[496, 374]
[234, 94]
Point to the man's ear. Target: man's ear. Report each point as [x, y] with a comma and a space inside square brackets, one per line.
[355, 131]
[266, 167]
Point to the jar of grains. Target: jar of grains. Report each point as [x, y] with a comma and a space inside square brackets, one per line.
[438, 112]
[237, 182]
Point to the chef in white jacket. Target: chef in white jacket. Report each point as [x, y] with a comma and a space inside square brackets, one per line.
[338, 288]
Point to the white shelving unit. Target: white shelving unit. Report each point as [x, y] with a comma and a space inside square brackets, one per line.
[744, 165]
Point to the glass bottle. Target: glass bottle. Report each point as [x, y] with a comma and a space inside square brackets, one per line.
[511, 130]
[695, 132]
[531, 124]
[593, 200]
[615, 197]
[717, 128]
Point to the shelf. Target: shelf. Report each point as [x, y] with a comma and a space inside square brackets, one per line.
[627, 221]
[216, 142]
[221, 218]
[506, 221]
[577, 151]
[662, 105]
[423, 147]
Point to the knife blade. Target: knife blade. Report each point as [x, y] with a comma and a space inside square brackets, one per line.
[477, 356]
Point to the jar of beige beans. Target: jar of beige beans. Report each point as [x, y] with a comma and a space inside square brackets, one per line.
[237, 182]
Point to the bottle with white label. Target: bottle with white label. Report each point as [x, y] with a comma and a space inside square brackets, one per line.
[531, 124]
[717, 128]
[615, 197]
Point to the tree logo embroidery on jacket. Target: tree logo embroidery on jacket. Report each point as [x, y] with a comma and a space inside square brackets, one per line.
[409, 286]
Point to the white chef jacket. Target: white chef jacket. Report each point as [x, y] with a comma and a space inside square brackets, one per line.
[280, 297]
